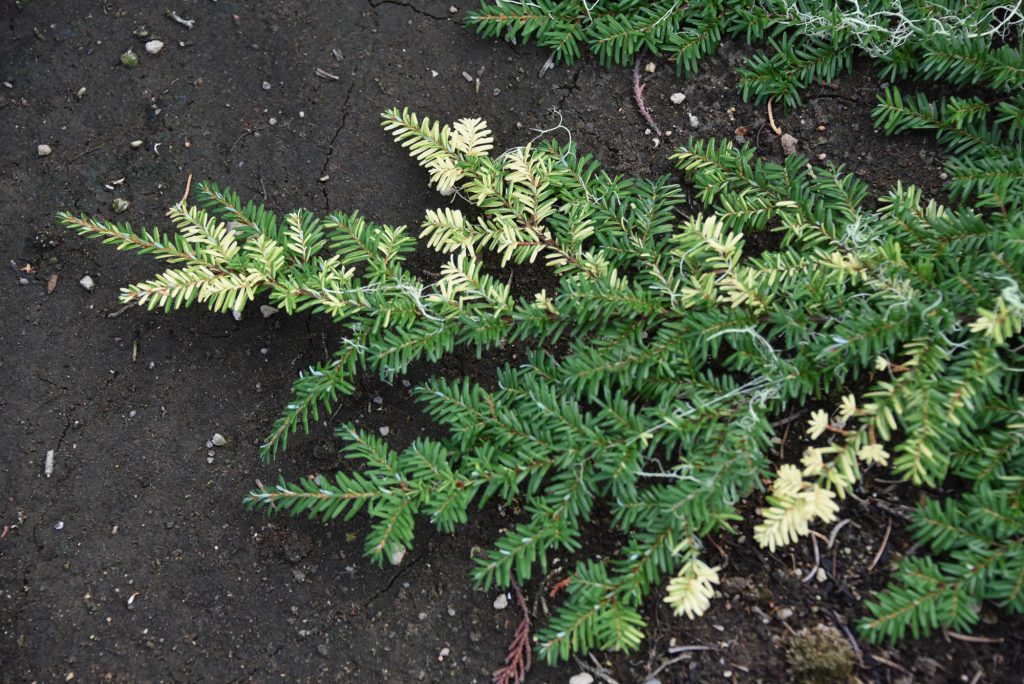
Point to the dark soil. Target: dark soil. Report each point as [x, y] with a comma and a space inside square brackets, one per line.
[135, 561]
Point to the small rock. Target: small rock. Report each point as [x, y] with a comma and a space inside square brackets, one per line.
[788, 143]
[23, 281]
[452, 9]
[209, 459]
[273, 121]
[44, 150]
[694, 121]
[821, 575]
[59, 526]
[451, 612]
[129, 59]
[384, 430]
[218, 440]
[154, 47]
[466, 75]
[650, 67]
[784, 614]
[822, 157]
[444, 653]
[80, 93]
[120, 205]
[378, 400]
[87, 283]
[267, 310]
[582, 678]
[136, 144]
[501, 603]
[322, 649]
[266, 85]
[677, 98]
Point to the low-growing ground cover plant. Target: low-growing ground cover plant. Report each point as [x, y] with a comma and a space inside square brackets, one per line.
[949, 41]
[893, 329]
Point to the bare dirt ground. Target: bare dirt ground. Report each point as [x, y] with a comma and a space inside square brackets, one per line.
[135, 561]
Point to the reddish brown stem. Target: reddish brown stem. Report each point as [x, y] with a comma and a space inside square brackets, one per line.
[520, 653]
[638, 95]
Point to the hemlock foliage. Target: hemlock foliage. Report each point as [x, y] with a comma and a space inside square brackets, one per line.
[807, 40]
[682, 339]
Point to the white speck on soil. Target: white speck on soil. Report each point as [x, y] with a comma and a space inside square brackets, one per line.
[87, 283]
[582, 678]
[501, 603]
[59, 526]
[218, 440]
[48, 466]
[384, 430]
[154, 47]
[694, 121]
[44, 150]
[267, 310]
[677, 98]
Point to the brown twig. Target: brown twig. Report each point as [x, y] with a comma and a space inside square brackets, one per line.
[970, 639]
[562, 584]
[638, 95]
[188, 187]
[520, 653]
[771, 119]
[881, 548]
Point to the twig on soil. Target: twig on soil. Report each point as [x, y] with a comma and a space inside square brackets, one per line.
[638, 95]
[247, 131]
[881, 548]
[520, 653]
[326, 75]
[115, 314]
[667, 664]
[889, 663]
[596, 669]
[87, 152]
[849, 637]
[817, 561]
[835, 531]
[187, 23]
[771, 119]
[970, 639]
[188, 187]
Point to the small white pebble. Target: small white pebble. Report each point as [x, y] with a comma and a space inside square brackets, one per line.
[87, 283]
[582, 678]
[677, 98]
[452, 9]
[209, 459]
[273, 121]
[821, 575]
[384, 430]
[325, 178]
[154, 47]
[302, 114]
[466, 75]
[501, 603]
[44, 150]
[218, 440]
[136, 144]
[694, 121]
[822, 157]
[443, 653]
[378, 400]
[59, 526]
[133, 413]
[266, 85]
[650, 67]
[433, 73]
